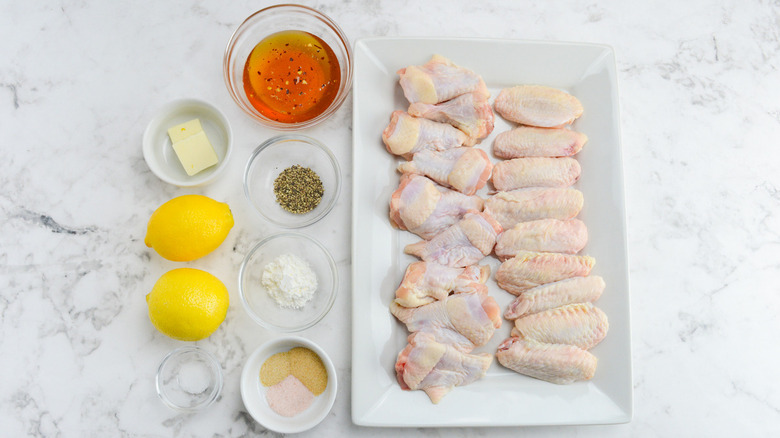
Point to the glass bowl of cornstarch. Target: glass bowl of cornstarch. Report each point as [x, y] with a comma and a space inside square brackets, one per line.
[288, 282]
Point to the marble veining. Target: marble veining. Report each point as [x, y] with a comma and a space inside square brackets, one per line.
[700, 107]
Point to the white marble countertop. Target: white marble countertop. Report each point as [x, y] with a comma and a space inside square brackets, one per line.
[79, 80]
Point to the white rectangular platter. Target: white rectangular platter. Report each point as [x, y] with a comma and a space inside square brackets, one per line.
[502, 397]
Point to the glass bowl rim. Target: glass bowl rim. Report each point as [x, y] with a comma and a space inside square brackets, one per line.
[242, 271]
[214, 365]
[304, 139]
[341, 97]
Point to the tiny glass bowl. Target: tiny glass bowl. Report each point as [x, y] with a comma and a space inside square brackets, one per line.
[189, 379]
[253, 393]
[277, 154]
[275, 19]
[158, 150]
[262, 308]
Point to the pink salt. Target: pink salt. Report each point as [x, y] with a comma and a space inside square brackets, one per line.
[289, 397]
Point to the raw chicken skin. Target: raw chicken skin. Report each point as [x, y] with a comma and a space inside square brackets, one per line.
[461, 245]
[464, 321]
[529, 269]
[438, 80]
[543, 235]
[464, 169]
[437, 368]
[537, 105]
[527, 141]
[523, 205]
[407, 135]
[425, 208]
[555, 363]
[426, 282]
[583, 325]
[471, 113]
[551, 295]
[520, 173]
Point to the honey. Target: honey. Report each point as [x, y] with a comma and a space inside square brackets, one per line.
[291, 76]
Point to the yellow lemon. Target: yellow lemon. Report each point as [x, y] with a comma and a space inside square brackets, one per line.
[188, 304]
[188, 227]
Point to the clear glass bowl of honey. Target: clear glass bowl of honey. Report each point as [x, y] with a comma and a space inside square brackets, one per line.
[288, 66]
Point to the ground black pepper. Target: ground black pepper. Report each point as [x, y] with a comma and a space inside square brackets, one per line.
[298, 189]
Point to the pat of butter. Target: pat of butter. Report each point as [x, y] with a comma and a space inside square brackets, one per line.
[195, 153]
[186, 129]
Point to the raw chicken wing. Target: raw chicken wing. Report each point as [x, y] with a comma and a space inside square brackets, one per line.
[555, 363]
[520, 173]
[437, 368]
[551, 295]
[471, 113]
[523, 205]
[583, 325]
[438, 80]
[425, 282]
[527, 141]
[464, 321]
[543, 235]
[537, 105]
[407, 135]
[463, 244]
[464, 169]
[529, 269]
[426, 208]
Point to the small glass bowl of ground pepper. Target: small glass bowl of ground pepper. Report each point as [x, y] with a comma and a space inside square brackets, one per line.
[292, 180]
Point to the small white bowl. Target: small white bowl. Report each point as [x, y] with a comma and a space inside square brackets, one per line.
[258, 303]
[253, 392]
[158, 150]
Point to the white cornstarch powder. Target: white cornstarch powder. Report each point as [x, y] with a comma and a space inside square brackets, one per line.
[289, 281]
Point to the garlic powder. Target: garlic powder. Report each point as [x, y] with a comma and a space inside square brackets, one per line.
[289, 281]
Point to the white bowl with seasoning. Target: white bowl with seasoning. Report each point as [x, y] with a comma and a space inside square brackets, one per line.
[282, 309]
[158, 148]
[254, 393]
[297, 162]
